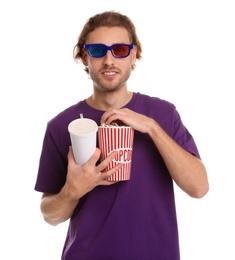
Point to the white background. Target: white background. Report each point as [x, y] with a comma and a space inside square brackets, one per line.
[189, 59]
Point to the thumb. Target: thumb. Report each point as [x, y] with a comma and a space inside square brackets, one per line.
[71, 155]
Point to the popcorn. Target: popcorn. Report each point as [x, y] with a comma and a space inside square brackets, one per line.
[113, 124]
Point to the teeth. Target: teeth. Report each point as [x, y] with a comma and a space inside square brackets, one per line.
[109, 73]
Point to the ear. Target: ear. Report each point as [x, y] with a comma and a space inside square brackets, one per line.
[133, 54]
[84, 57]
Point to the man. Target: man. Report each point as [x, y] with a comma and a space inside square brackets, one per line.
[134, 219]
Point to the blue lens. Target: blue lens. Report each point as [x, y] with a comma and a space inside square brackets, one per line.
[97, 50]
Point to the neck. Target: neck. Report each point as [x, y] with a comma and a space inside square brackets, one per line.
[104, 101]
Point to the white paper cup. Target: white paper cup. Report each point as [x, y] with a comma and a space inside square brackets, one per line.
[117, 138]
[83, 134]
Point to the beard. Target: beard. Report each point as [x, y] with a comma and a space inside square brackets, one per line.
[109, 85]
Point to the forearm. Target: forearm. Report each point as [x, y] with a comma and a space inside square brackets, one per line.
[186, 170]
[57, 208]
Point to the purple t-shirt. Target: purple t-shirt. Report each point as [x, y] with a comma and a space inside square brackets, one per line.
[130, 220]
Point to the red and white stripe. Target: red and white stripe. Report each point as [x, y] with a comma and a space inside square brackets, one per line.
[112, 138]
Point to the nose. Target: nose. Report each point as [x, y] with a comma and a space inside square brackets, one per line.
[109, 58]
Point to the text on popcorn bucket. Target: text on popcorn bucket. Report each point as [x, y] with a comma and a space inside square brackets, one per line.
[123, 155]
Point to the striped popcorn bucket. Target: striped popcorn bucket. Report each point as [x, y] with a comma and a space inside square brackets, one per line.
[117, 138]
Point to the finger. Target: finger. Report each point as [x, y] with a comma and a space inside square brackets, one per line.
[71, 159]
[111, 171]
[70, 154]
[113, 118]
[106, 161]
[95, 157]
[106, 115]
[107, 174]
[107, 182]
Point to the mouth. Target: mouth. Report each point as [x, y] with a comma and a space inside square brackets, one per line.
[109, 72]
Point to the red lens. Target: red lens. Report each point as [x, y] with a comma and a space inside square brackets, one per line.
[121, 50]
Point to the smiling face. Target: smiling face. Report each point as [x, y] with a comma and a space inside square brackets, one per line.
[109, 73]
